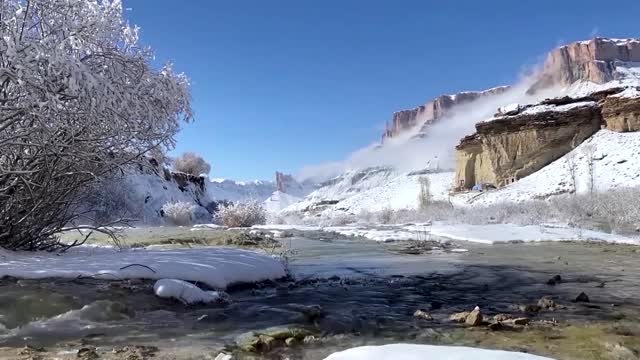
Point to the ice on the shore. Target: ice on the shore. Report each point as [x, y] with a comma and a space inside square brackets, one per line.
[185, 292]
[427, 352]
[215, 267]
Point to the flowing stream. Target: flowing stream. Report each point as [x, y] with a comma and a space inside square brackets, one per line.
[367, 293]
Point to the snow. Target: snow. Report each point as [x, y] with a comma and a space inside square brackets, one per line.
[616, 161]
[630, 92]
[485, 234]
[224, 189]
[427, 352]
[536, 109]
[148, 193]
[376, 190]
[184, 292]
[279, 200]
[215, 267]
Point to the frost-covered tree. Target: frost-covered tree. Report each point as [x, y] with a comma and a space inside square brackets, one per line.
[78, 100]
[191, 163]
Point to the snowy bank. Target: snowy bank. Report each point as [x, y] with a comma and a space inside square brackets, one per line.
[486, 234]
[427, 352]
[215, 267]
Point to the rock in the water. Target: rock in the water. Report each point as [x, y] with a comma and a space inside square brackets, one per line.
[547, 303]
[459, 317]
[556, 279]
[291, 342]
[497, 326]
[521, 321]
[265, 340]
[474, 318]
[421, 314]
[582, 297]
[87, 353]
[223, 356]
[502, 317]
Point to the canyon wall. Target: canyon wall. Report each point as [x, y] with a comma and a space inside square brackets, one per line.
[433, 110]
[593, 60]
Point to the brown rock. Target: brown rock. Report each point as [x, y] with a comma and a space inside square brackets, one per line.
[555, 279]
[459, 317]
[621, 114]
[509, 148]
[497, 326]
[474, 318]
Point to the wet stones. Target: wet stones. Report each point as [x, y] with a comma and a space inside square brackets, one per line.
[547, 303]
[459, 317]
[474, 318]
[469, 318]
[262, 341]
[556, 279]
[87, 353]
[422, 314]
[582, 297]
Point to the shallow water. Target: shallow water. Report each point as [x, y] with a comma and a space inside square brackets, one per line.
[367, 290]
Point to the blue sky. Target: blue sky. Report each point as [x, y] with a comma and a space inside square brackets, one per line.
[281, 84]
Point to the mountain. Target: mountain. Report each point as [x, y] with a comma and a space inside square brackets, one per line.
[582, 107]
[225, 189]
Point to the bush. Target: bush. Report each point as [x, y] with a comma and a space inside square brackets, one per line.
[244, 214]
[178, 213]
[424, 196]
[385, 216]
[191, 163]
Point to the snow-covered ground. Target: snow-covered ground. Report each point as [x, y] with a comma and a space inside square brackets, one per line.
[215, 267]
[375, 189]
[486, 234]
[427, 352]
[184, 292]
[616, 163]
[279, 200]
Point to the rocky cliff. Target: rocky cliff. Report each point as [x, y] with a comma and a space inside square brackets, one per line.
[522, 140]
[433, 110]
[596, 60]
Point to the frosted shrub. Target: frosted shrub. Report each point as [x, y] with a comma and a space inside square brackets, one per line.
[178, 213]
[385, 216]
[424, 196]
[244, 214]
[81, 100]
[191, 163]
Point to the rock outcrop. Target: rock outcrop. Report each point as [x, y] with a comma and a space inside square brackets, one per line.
[520, 140]
[433, 110]
[621, 112]
[507, 148]
[594, 60]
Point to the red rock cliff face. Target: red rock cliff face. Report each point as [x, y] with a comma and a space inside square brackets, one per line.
[433, 110]
[593, 60]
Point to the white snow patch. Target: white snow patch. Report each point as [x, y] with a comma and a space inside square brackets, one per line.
[631, 92]
[183, 291]
[427, 352]
[215, 267]
[279, 200]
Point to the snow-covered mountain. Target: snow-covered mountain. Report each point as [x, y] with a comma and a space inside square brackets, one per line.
[225, 189]
[603, 73]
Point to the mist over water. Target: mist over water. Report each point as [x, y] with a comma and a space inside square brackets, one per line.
[407, 152]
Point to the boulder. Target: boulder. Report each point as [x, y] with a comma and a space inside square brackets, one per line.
[474, 318]
[547, 303]
[582, 297]
[459, 317]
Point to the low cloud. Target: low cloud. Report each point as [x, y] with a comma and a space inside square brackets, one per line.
[408, 152]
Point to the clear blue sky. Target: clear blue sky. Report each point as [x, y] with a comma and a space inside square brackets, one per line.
[279, 84]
